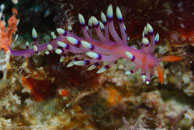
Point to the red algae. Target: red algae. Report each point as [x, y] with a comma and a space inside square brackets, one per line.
[68, 78]
[63, 92]
[40, 89]
[6, 33]
[166, 16]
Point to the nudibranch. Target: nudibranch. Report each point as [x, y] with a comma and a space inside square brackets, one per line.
[108, 48]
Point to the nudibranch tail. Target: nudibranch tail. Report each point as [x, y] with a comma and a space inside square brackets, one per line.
[108, 48]
[160, 74]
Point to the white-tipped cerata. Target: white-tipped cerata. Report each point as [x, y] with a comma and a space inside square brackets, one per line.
[156, 38]
[110, 12]
[50, 47]
[87, 45]
[81, 19]
[145, 31]
[27, 44]
[130, 55]
[91, 67]
[93, 55]
[35, 48]
[72, 40]
[145, 41]
[101, 25]
[69, 28]
[119, 14]
[124, 27]
[101, 70]
[90, 22]
[53, 35]
[34, 33]
[103, 17]
[62, 58]
[94, 21]
[147, 82]
[149, 28]
[80, 63]
[58, 51]
[62, 44]
[70, 64]
[61, 31]
[47, 52]
[143, 77]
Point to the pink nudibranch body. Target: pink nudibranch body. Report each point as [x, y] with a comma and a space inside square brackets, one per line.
[91, 52]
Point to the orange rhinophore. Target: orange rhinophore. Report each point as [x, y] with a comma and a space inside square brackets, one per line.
[6, 33]
[166, 59]
[171, 58]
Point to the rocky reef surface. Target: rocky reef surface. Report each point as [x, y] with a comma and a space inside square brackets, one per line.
[40, 93]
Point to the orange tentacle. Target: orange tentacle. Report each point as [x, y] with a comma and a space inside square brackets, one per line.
[171, 58]
[160, 74]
